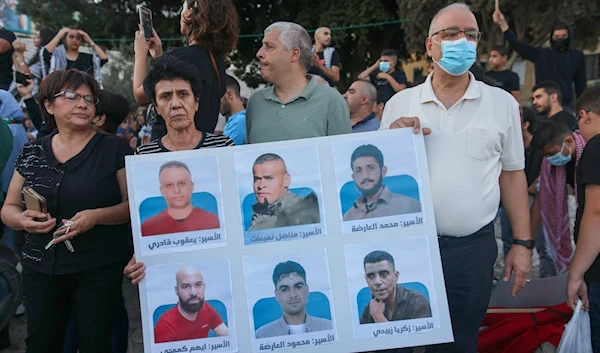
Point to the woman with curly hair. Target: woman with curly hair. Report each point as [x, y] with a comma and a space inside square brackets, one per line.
[211, 31]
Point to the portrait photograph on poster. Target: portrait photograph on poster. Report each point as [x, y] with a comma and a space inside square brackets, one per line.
[391, 288]
[191, 304]
[179, 204]
[378, 183]
[280, 194]
[289, 300]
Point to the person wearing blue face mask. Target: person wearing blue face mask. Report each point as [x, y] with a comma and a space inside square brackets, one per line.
[476, 158]
[388, 80]
[563, 149]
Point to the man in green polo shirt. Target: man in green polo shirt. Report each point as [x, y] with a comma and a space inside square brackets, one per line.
[295, 106]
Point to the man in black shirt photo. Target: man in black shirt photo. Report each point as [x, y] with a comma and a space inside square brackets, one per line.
[384, 76]
[505, 78]
[584, 274]
[547, 99]
[390, 300]
[325, 59]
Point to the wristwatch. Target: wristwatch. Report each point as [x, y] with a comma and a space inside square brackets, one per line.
[529, 244]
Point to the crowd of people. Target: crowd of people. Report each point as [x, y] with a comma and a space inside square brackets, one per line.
[489, 156]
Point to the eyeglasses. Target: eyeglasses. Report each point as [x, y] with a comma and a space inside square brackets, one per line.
[472, 35]
[74, 97]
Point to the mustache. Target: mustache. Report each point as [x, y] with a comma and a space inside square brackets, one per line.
[367, 181]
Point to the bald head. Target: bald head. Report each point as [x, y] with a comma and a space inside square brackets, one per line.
[323, 37]
[361, 95]
[190, 289]
[457, 11]
[184, 274]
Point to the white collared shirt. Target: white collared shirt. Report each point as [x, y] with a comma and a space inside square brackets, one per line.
[470, 145]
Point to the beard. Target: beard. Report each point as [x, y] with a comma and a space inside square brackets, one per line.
[191, 307]
[544, 110]
[372, 191]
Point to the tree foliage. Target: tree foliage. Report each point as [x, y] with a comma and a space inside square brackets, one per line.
[359, 46]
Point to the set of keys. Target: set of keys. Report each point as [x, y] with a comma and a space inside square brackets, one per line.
[68, 244]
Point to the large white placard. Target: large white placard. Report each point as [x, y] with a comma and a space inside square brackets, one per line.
[303, 246]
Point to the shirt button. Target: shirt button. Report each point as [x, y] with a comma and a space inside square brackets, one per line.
[283, 106]
[57, 184]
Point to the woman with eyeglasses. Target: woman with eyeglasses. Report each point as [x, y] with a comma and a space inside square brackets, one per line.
[62, 53]
[76, 249]
[211, 31]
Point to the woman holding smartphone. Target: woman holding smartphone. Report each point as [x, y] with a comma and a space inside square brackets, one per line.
[211, 31]
[81, 175]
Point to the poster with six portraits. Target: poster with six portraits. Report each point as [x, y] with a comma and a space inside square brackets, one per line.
[315, 245]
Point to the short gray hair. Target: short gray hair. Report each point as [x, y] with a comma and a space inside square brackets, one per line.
[292, 36]
[456, 5]
[370, 91]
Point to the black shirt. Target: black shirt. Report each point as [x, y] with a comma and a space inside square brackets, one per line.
[210, 99]
[383, 86]
[566, 118]
[588, 172]
[533, 164]
[6, 72]
[84, 62]
[507, 80]
[86, 181]
[335, 61]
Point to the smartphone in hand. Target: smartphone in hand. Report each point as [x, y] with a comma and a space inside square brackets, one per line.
[21, 78]
[146, 20]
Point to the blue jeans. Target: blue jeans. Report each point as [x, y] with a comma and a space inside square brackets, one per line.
[594, 297]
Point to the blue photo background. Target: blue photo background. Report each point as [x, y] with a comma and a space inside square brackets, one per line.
[268, 310]
[250, 200]
[216, 304]
[364, 295]
[400, 184]
[154, 205]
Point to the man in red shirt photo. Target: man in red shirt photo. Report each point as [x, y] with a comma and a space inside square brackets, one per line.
[176, 187]
[192, 317]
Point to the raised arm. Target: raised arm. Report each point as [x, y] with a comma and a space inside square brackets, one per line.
[366, 74]
[527, 51]
[55, 42]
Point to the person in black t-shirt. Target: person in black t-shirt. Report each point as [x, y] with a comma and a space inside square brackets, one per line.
[584, 273]
[547, 100]
[505, 78]
[562, 149]
[6, 51]
[206, 51]
[326, 60]
[81, 175]
[388, 81]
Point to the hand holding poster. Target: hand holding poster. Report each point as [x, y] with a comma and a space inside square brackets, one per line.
[325, 241]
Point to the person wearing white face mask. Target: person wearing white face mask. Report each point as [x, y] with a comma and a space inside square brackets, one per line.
[476, 158]
[562, 149]
[388, 81]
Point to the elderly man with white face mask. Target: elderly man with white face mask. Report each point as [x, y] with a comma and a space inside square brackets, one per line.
[475, 153]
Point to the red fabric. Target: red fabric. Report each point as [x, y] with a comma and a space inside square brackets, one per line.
[554, 209]
[172, 326]
[522, 332]
[163, 223]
